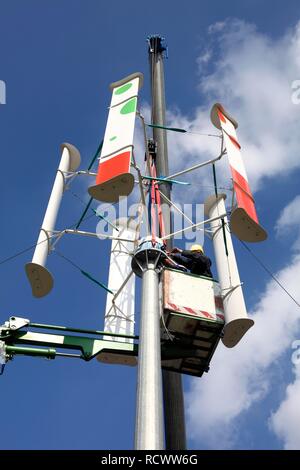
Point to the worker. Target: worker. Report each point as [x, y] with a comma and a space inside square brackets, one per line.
[194, 260]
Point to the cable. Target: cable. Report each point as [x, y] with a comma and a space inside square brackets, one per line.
[84, 213]
[78, 197]
[19, 253]
[10, 258]
[96, 155]
[5, 260]
[222, 220]
[68, 260]
[206, 135]
[86, 274]
[169, 335]
[182, 131]
[87, 207]
[270, 273]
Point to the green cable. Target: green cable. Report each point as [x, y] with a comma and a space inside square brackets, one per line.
[174, 129]
[91, 199]
[178, 129]
[96, 155]
[83, 272]
[83, 214]
[215, 180]
[106, 220]
[96, 282]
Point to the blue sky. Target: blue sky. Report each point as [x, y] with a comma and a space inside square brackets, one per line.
[57, 59]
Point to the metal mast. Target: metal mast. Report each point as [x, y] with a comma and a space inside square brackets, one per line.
[172, 382]
[149, 432]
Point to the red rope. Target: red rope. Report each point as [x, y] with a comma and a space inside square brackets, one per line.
[155, 199]
[153, 213]
[160, 213]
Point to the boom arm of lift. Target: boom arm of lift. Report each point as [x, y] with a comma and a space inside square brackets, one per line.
[17, 339]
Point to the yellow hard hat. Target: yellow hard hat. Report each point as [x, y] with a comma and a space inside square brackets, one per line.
[197, 248]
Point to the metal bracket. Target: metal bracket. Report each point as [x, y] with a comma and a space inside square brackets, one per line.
[15, 323]
[57, 237]
[231, 289]
[64, 178]
[46, 232]
[3, 357]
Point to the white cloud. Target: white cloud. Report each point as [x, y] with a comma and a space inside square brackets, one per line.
[285, 421]
[241, 376]
[205, 57]
[252, 76]
[289, 221]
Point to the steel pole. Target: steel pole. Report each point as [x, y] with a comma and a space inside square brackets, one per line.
[172, 381]
[149, 434]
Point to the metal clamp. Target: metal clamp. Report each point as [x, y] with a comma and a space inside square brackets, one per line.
[231, 289]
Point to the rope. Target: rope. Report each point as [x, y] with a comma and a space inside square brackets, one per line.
[153, 212]
[156, 202]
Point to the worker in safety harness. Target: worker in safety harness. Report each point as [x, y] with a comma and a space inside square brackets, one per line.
[194, 260]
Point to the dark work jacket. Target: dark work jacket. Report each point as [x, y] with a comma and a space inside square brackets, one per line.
[196, 262]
